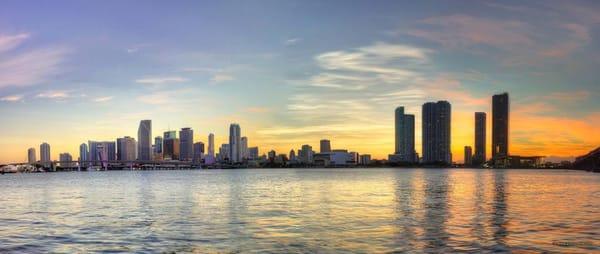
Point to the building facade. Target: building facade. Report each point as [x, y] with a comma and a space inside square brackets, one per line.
[480, 139]
[436, 132]
[45, 154]
[126, 149]
[31, 156]
[144, 146]
[500, 125]
[324, 146]
[468, 161]
[198, 152]
[186, 144]
[235, 143]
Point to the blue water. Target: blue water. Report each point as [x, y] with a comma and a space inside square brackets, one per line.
[301, 210]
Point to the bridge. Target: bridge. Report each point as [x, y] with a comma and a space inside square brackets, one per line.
[110, 165]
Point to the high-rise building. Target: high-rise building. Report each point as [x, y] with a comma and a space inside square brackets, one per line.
[170, 134]
[325, 146]
[480, 139]
[468, 156]
[436, 132]
[364, 159]
[186, 144]
[170, 146]
[31, 157]
[293, 154]
[144, 147]
[224, 151]
[253, 153]
[235, 146]
[404, 137]
[66, 160]
[306, 154]
[198, 152]
[102, 151]
[211, 145]
[244, 146]
[84, 154]
[500, 125]
[45, 154]
[158, 143]
[126, 149]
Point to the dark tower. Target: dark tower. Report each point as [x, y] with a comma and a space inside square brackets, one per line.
[500, 120]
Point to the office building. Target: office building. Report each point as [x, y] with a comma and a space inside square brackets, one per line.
[436, 132]
[325, 146]
[480, 139]
[235, 145]
[66, 160]
[253, 153]
[224, 151]
[186, 144]
[244, 148]
[211, 145]
[101, 152]
[305, 155]
[198, 152]
[500, 125]
[84, 155]
[293, 155]
[364, 159]
[170, 146]
[158, 143]
[468, 156]
[144, 146]
[126, 149]
[31, 156]
[404, 139]
[45, 154]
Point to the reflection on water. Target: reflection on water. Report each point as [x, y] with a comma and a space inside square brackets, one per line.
[302, 210]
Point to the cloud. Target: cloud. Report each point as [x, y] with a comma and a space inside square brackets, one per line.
[12, 98]
[54, 95]
[9, 42]
[31, 67]
[292, 41]
[257, 110]
[160, 80]
[220, 77]
[103, 99]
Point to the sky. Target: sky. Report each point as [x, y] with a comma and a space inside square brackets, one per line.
[295, 72]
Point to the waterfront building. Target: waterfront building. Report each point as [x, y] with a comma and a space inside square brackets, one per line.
[198, 152]
[235, 145]
[404, 138]
[31, 156]
[306, 154]
[170, 146]
[244, 148]
[480, 139]
[186, 144]
[45, 154]
[158, 143]
[364, 159]
[66, 160]
[144, 146]
[293, 155]
[210, 155]
[500, 125]
[126, 149]
[84, 155]
[325, 146]
[271, 155]
[253, 153]
[468, 156]
[224, 153]
[436, 132]
[101, 152]
[334, 158]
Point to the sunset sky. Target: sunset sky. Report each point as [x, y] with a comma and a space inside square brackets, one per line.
[294, 72]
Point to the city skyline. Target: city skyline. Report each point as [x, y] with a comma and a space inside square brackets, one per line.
[290, 80]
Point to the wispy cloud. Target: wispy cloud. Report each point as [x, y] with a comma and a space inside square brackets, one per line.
[27, 67]
[221, 77]
[12, 98]
[292, 41]
[8, 42]
[160, 80]
[103, 99]
[54, 95]
[257, 110]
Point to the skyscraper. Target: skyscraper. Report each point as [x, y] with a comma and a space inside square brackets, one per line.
[45, 154]
[126, 149]
[306, 154]
[235, 146]
[480, 138]
[83, 154]
[468, 156]
[244, 150]
[404, 126]
[158, 144]
[325, 146]
[186, 144]
[170, 146]
[145, 140]
[436, 132]
[293, 154]
[102, 151]
[253, 153]
[211, 145]
[31, 157]
[500, 121]
[198, 152]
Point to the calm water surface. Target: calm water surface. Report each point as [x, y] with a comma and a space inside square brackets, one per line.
[301, 210]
